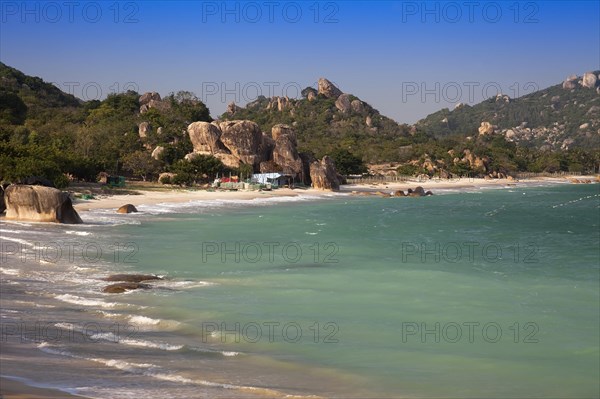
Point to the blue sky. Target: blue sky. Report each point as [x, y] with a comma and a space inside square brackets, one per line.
[405, 58]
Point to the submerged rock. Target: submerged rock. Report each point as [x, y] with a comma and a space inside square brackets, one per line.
[132, 278]
[119, 288]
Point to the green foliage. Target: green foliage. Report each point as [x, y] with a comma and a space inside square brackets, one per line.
[408, 170]
[347, 163]
[140, 163]
[199, 168]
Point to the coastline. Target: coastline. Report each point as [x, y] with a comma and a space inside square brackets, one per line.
[16, 389]
[182, 196]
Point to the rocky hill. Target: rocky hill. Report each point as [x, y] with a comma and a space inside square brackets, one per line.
[327, 119]
[560, 117]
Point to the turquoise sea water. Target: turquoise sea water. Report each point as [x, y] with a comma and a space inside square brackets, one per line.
[484, 294]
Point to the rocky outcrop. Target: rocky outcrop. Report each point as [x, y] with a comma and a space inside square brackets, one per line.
[128, 208]
[39, 204]
[157, 152]
[152, 100]
[205, 137]
[328, 89]
[486, 128]
[132, 278]
[589, 80]
[119, 288]
[343, 103]
[242, 138]
[285, 153]
[324, 175]
[144, 129]
[570, 83]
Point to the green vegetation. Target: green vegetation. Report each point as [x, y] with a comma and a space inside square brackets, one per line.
[47, 133]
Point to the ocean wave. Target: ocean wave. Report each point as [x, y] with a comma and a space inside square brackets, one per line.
[136, 342]
[19, 240]
[10, 272]
[145, 322]
[77, 300]
[78, 233]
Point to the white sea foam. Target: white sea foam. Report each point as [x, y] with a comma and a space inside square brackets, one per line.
[19, 240]
[10, 272]
[86, 301]
[150, 324]
[78, 233]
[136, 342]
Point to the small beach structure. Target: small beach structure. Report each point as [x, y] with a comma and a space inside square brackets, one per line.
[274, 179]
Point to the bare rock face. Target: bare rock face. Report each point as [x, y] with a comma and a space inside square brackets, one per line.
[232, 108]
[149, 96]
[570, 83]
[486, 128]
[204, 137]
[152, 100]
[229, 160]
[343, 103]
[324, 175]
[157, 152]
[328, 89]
[242, 138]
[285, 153]
[358, 106]
[144, 129]
[39, 204]
[128, 208]
[589, 80]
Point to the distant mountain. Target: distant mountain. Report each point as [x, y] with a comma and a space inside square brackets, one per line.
[560, 117]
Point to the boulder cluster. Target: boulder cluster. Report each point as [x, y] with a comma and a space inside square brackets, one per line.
[241, 142]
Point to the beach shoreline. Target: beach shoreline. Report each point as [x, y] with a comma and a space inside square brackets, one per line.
[146, 197]
[12, 388]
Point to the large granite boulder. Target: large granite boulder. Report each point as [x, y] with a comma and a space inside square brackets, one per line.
[158, 152]
[144, 129]
[343, 103]
[242, 138]
[328, 89]
[39, 204]
[204, 137]
[589, 80]
[570, 83]
[285, 153]
[324, 175]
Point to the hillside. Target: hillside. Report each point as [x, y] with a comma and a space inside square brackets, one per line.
[48, 133]
[327, 120]
[560, 117]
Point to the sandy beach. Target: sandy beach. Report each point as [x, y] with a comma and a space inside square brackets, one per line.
[182, 195]
[12, 389]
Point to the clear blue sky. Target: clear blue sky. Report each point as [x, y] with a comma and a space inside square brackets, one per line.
[405, 58]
